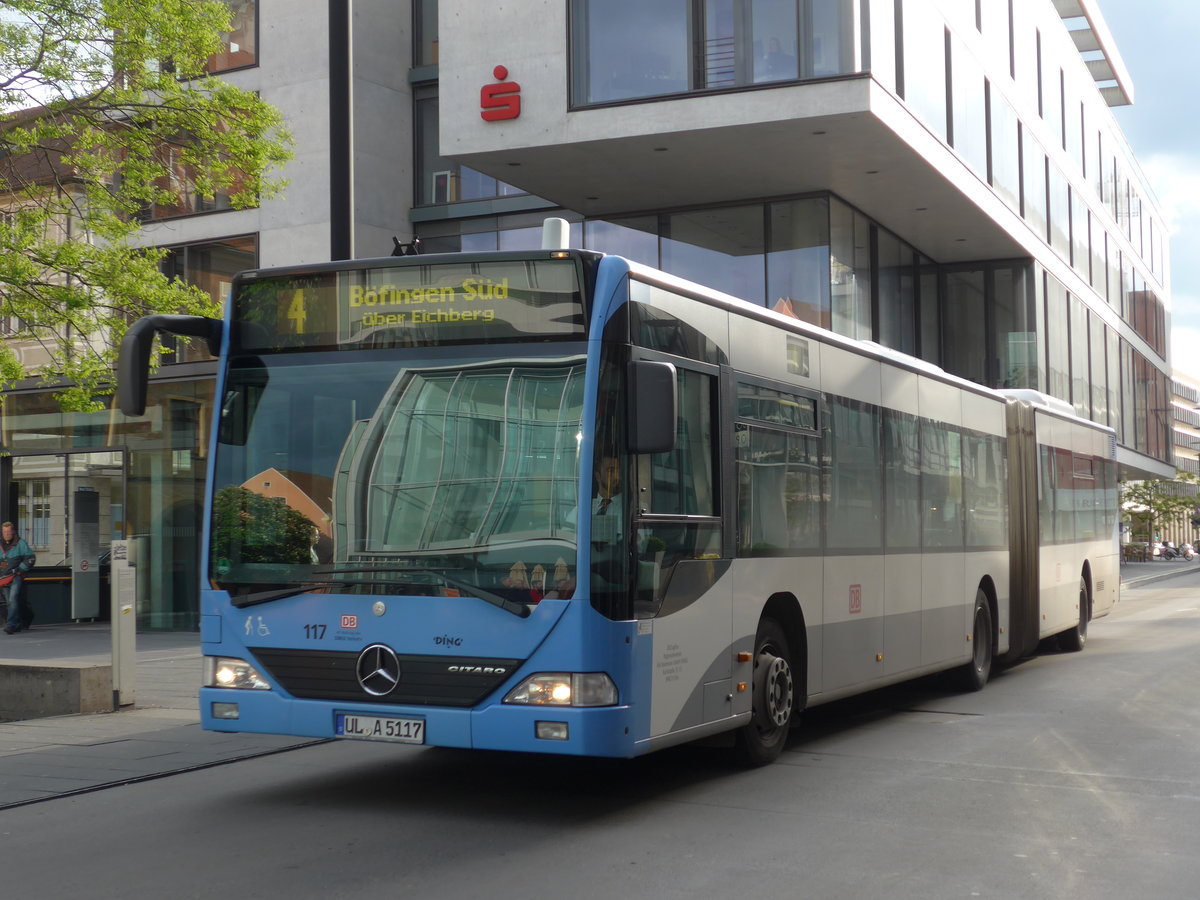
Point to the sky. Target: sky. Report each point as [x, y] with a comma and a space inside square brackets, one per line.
[1157, 39]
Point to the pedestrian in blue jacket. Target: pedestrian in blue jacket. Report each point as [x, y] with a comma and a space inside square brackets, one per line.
[16, 559]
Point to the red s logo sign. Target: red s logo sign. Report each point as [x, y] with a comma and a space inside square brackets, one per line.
[500, 101]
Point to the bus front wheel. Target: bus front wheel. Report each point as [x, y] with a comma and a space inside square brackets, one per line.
[774, 697]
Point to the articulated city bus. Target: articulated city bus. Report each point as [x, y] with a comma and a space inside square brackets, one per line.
[557, 501]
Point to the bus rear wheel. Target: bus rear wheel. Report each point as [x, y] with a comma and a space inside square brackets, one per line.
[1074, 639]
[973, 675]
[760, 741]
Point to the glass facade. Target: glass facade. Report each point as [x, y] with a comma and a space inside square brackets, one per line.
[993, 82]
[149, 472]
[798, 262]
[633, 49]
[725, 244]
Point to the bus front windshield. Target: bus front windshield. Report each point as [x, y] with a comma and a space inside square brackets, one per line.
[377, 473]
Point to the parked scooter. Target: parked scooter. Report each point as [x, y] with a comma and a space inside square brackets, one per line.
[1170, 551]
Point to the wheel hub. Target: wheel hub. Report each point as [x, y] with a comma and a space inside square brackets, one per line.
[777, 690]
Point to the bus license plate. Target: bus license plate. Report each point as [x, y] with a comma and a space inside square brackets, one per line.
[380, 728]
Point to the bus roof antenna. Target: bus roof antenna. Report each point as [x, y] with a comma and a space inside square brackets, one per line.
[556, 234]
[412, 248]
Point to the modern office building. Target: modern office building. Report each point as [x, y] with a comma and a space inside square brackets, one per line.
[943, 177]
[1185, 403]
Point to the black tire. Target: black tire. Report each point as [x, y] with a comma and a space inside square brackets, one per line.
[760, 741]
[1075, 639]
[973, 675]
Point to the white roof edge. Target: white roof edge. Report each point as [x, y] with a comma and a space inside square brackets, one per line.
[1108, 46]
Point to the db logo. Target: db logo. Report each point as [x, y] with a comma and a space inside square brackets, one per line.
[500, 101]
[855, 599]
[349, 621]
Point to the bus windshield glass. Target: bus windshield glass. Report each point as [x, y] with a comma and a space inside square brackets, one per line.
[386, 474]
[422, 305]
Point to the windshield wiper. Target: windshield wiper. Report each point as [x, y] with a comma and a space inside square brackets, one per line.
[257, 597]
[517, 609]
[281, 593]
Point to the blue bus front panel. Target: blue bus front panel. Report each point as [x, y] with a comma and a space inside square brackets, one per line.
[303, 650]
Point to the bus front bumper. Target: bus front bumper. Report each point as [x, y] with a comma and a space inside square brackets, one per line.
[595, 731]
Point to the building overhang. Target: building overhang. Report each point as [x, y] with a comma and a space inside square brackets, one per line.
[1134, 466]
[849, 136]
[1095, 44]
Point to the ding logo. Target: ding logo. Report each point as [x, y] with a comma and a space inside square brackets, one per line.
[500, 101]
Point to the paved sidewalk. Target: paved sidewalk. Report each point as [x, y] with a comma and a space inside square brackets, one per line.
[160, 734]
[1139, 573]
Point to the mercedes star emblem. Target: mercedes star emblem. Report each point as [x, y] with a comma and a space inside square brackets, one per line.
[378, 670]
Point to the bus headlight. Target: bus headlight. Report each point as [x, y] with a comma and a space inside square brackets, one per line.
[564, 689]
[231, 672]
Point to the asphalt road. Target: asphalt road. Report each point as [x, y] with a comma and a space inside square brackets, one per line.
[1069, 776]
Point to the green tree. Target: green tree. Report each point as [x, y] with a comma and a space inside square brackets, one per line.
[106, 111]
[251, 528]
[1158, 502]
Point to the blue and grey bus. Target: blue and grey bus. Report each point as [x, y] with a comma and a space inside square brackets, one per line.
[558, 501]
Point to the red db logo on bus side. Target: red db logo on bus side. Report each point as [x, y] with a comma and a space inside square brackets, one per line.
[855, 599]
[349, 621]
[500, 101]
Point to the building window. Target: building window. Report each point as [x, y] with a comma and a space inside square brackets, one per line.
[721, 248]
[924, 52]
[210, 266]
[1060, 211]
[968, 116]
[635, 238]
[1012, 330]
[425, 29]
[631, 49]
[623, 49]
[1081, 396]
[1005, 156]
[34, 512]
[798, 259]
[896, 301]
[241, 41]
[1099, 369]
[440, 180]
[963, 324]
[181, 181]
[1058, 365]
[850, 271]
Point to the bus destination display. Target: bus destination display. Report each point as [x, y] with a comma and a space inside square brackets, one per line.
[405, 306]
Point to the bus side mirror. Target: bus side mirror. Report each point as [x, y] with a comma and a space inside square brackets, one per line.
[133, 365]
[652, 406]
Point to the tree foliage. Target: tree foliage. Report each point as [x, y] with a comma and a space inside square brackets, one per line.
[259, 529]
[106, 111]
[1158, 502]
